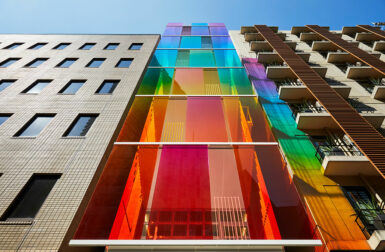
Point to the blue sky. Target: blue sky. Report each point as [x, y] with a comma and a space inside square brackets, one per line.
[151, 16]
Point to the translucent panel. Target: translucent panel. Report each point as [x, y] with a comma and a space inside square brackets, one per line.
[188, 81]
[216, 24]
[222, 42]
[5, 83]
[199, 30]
[172, 30]
[195, 192]
[37, 87]
[169, 42]
[234, 81]
[156, 81]
[35, 126]
[196, 119]
[219, 30]
[207, 42]
[201, 58]
[81, 125]
[164, 58]
[227, 58]
[204, 24]
[186, 30]
[191, 42]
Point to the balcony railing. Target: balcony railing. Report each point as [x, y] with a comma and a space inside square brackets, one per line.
[323, 151]
[305, 108]
[370, 220]
[370, 84]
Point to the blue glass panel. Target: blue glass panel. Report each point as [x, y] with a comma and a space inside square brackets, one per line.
[136, 46]
[87, 46]
[218, 30]
[61, 46]
[164, 58]
[36, 63]
[222, 42]
[202, 58]
[191, 42]
[173, 30]
[169, 42]
[206, 24]
[37, 46]
[227, 58]
[199, 30]
[36, 126]
[81, 126]
[5, 83]
[111, 46]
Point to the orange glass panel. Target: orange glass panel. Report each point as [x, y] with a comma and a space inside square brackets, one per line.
[188, 81]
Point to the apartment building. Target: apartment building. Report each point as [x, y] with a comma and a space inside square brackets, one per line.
[62, 101]
[321, 91]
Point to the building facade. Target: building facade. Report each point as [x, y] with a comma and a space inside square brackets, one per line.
[322, 93]
[257, 139]
[62, 101]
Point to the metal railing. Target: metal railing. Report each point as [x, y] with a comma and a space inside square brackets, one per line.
[370, 220]
[305, 108]
[323, 151]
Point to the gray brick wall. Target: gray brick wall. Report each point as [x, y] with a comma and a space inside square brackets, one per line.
[75, 158]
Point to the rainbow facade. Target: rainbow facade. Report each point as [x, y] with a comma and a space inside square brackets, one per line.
[196, 157]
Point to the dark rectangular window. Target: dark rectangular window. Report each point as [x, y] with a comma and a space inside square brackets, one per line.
[95, 63]
[67, 62]
[37, 46]
[36, 62]
[81, 125]
[35, 125]
[135, 46]
[4, 117]
[87, 46]
[107, 87]
[5, 83]
[61, 46]
[13, 46]
[111, 46]
[36, 87]
[8, 62]
[31, 198]
[72, 87]
[124, 63]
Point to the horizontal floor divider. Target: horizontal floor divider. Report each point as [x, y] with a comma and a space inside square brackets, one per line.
[189, 67]
[201, 95]
[195, 48]
[196, 143]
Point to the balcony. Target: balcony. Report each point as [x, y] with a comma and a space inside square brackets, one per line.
[297, 30]
[271, 57]
[344, 57]
[366, 36]
[282, 71]
[263, 46]
[340, 157]
[310, 37]
[295, 90]
[314, 117]
[325, 45]
[251, 29]
[379, 46]
[361, 71]
[255, 36]
[376, 87]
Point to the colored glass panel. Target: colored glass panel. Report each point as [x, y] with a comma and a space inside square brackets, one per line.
[227, 58]
[157, 81]
[169, 42]
[191, 42]
[222, 42]
[172, 30]
[164, 58]
[199, 30]
[218, 30]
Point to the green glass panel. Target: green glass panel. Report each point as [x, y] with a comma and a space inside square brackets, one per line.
[234, 81]
[156, 81]
[227, 58]
[202, 58]
[164, 58]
